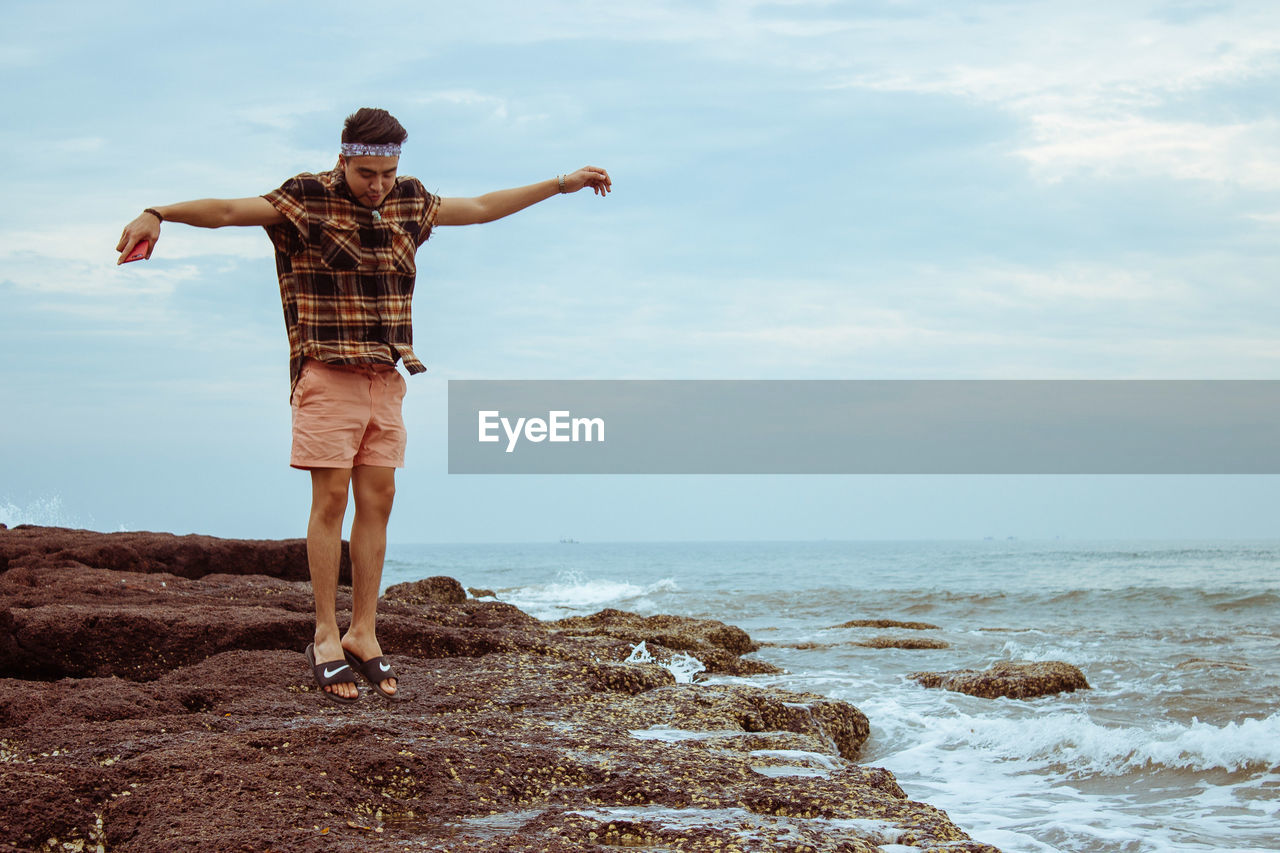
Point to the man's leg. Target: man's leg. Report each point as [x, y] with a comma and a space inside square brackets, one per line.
[374, 488]
[324, 557]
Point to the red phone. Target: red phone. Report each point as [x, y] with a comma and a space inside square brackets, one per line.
[139, 251]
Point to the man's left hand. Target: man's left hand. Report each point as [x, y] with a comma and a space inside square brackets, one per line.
[588, 176]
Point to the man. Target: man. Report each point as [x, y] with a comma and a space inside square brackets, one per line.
[345, 243]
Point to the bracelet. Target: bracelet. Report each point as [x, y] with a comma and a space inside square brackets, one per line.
[562, 183]
[153, 212]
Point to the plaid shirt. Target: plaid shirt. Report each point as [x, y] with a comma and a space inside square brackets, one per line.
[346, 281]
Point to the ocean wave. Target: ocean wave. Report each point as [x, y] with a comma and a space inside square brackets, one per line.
[1266, 600]
[573, 592]
[1075, 653]
[1059, 780]
[1134, 608]
[1077, 745]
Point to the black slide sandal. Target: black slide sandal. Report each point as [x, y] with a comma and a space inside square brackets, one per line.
[325, 675]
[375, 671]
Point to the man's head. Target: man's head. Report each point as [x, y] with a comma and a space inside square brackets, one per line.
[371, 140]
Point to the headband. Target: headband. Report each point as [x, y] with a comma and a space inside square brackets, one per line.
[364, 149]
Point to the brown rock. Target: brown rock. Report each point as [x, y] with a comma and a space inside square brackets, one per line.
[887, 623]
[802, 646]
[837, 723]
[717, 645]
[185, 556]
[905, 643]
[436, 590]
[192, 723]
[674, 632]
[1013, 679]
[78, 622]
[627, 678]
[1210, 663]
[480, 593]
[51, 806]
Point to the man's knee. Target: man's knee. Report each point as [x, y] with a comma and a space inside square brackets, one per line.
[329, 502]
[377, 497]
[374, 492]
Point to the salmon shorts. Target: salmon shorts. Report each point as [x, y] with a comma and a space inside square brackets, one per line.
[348, 415]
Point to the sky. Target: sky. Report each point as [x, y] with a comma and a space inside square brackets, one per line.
[802, 190]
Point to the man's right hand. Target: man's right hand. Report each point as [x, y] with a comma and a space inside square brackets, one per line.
[145, 227]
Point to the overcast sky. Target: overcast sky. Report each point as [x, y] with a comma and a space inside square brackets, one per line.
[986, 190]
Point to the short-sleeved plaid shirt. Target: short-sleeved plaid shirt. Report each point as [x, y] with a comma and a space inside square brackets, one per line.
[346, 278]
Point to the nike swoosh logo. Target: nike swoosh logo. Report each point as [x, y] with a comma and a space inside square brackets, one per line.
[384, 667]
[330, 673]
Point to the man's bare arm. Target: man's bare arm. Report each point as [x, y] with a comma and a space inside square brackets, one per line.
[495, 205]
[205, 213]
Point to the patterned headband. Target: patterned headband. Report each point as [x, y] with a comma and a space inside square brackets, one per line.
[364, 149]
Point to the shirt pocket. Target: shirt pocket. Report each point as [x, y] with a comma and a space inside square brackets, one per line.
[403, 249]
[340, 247]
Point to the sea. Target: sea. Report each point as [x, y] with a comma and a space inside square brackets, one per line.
[1175, 748]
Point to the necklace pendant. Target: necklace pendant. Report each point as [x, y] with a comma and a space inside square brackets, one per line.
[377, 216]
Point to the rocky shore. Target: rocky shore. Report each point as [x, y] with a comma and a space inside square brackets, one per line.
[153, 697]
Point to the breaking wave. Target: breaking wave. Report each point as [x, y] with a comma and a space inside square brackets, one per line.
[1077, 745]
[573, 593]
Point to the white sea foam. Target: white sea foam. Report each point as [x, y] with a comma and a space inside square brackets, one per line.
[1070, 740]
[747, 826]
[1027, 777]
[793, 762]
[1072, 652]
[639, 654]
[573, 593]
[799, 756]
[670, 735]
[1083, 746]
[683, 666]
[47, 511]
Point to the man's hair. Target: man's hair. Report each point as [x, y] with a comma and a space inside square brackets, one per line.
[374, 127]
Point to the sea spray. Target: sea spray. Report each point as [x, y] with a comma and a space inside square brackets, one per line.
[685, 667]
[573, 593]
[47, 512]
[748, 828]
[1058, 741]
[639, 654]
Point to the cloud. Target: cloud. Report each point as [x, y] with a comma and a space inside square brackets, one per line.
[1267, 219]
[284, 116]
[80, 145]
[18, 55]
[77, 287]
[1049, 54]
[495, 106]
[82, 257]
[501, 109]
[1101, 90]
[1139, 316]
[69, 273]
[1244, 154]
